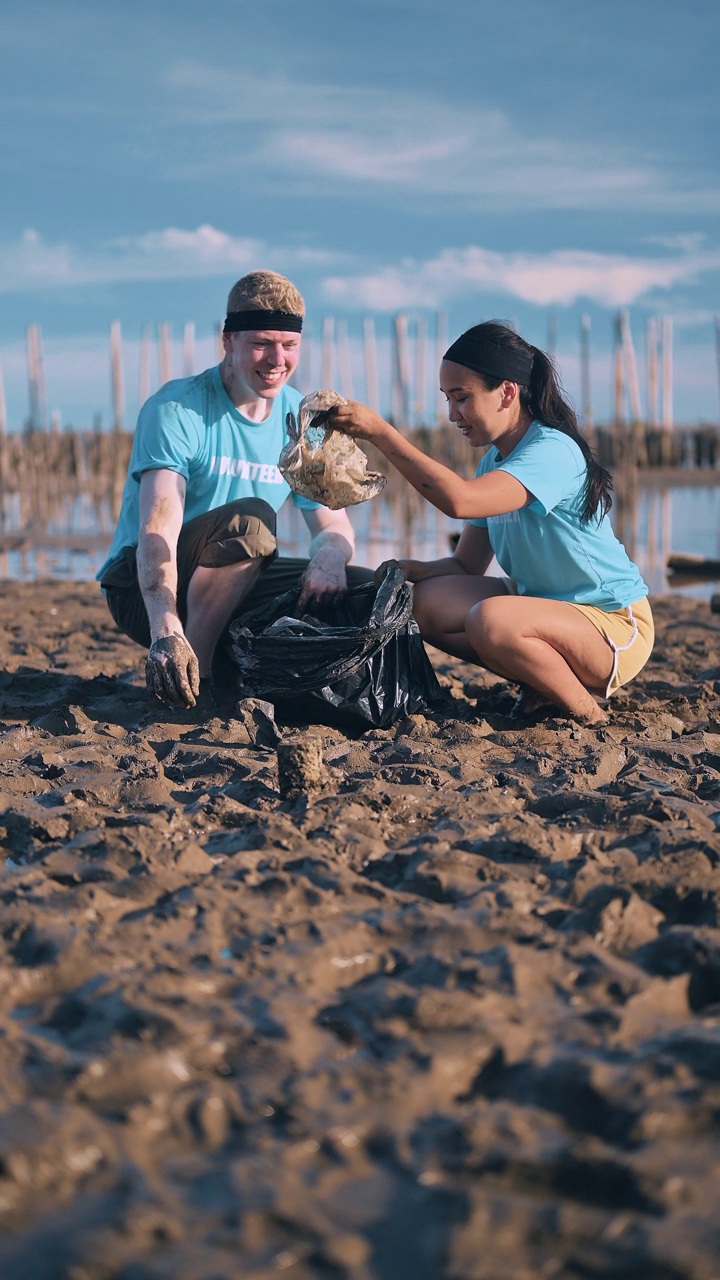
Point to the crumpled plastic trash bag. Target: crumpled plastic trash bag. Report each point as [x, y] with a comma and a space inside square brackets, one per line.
[356, 663]
[324, 464]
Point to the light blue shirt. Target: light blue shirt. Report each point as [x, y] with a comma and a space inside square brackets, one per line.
[192, 427]
[544, 547]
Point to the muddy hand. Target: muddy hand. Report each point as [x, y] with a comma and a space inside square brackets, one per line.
[172, 672]
[324, 580]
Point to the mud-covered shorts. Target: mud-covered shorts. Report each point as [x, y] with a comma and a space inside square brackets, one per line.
[242, 530]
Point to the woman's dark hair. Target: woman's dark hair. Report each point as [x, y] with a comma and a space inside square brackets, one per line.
[543, 398]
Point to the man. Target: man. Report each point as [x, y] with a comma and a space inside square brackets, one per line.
[195, 542]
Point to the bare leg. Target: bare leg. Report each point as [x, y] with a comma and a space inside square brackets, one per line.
[212, 598]
[441, 606]
[546, 644]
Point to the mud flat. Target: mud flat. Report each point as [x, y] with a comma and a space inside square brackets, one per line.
[453, 1015]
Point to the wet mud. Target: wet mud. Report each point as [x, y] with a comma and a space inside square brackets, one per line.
[447, 1012]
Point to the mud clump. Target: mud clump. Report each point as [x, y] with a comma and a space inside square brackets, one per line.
[300, 767]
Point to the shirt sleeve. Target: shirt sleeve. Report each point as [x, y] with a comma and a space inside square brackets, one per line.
[550, 466]
[305, 504]
[166, 437]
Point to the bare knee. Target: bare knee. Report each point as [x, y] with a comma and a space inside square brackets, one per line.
[488, 625]
[425, 614]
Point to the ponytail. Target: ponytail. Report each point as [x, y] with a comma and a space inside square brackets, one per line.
[544, 400]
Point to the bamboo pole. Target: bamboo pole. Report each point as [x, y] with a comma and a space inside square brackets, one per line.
[42, 391]
[639, 440]
[145, 361]
[651, 349]
[618, 378]
[631, 372]
[623, 442]
[585, 372]
[3, 405]
[188, 349]
[165, 354]
[717, 347]
[552, 335]
[441, 346]
[302, 378]
[667, 373]
[344, 363]
[396, 396]
[31, 357]
[372, 393]
[36, 379]
[401, 370]
[118, 383]
[420, 356]
[328, 351]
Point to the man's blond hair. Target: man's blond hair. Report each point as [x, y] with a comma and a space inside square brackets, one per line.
[265, 291]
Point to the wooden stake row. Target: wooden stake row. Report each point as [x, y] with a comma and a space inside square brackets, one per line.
[414, 351]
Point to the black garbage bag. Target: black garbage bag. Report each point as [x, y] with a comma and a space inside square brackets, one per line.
[358, 663]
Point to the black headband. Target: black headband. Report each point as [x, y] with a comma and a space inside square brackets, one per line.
[277, 321]
[490, 358]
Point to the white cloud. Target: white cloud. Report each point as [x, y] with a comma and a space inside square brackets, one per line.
[33, 262]
[398, 144]
[682, 242]
[205, 247]
[560, 277]
[557, 278]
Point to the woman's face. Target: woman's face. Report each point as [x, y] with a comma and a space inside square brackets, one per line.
[480, 414]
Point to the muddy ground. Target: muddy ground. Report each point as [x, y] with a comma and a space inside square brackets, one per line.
[452, 1017]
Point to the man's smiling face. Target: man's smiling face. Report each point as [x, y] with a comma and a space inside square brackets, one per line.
[258, 362]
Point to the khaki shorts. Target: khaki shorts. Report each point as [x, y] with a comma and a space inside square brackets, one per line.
[241, 530]
[630, 632]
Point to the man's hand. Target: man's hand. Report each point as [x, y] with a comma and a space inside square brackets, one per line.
[325, 578]
[172, 672]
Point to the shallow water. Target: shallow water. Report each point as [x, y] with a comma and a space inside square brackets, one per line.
[679, 519]
[676, 519]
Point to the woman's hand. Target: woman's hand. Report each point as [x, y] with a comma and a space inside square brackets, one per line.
[357, 420]
[383, 568]
[412, 570]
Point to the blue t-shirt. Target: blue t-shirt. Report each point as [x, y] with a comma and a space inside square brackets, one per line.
[191, 426]
[544, 547]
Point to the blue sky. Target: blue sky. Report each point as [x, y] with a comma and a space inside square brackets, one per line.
[526, 161]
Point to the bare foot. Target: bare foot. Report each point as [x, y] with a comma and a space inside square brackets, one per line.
[529, 702]
[596, 716]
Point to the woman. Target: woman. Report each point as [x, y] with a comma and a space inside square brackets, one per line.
[571, 621]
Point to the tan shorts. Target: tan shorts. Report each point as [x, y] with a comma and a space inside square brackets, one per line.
[630, 632]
